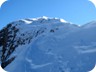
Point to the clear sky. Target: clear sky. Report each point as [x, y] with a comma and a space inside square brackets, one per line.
[75, 11]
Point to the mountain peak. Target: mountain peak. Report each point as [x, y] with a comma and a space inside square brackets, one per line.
[44, 19]
[45, 43]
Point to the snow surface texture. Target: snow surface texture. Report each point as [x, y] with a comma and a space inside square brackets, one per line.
[94, 69]
[2, 70]
[55, 46]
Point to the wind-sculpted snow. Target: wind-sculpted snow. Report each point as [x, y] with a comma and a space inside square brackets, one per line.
[50, 45]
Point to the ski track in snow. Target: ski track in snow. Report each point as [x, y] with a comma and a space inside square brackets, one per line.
[34, 66]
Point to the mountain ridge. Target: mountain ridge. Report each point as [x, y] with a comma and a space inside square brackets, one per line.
[45, 43]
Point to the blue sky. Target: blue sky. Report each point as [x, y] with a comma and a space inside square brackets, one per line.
[75, 11]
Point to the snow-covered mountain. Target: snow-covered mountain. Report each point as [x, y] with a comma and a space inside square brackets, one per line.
[47, 45]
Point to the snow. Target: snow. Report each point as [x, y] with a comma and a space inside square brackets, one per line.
[45, 17]
[94, 69]
[90, 24]
[27, 22]
[55, 46]
[2, 70]
[86, 49]
[62, 20]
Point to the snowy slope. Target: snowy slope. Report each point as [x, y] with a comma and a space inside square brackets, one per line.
[52, 45]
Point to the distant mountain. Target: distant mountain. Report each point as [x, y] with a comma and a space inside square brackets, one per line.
[47, 45]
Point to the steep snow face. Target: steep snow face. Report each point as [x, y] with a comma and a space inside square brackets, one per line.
[50, 45]
[17, 34]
